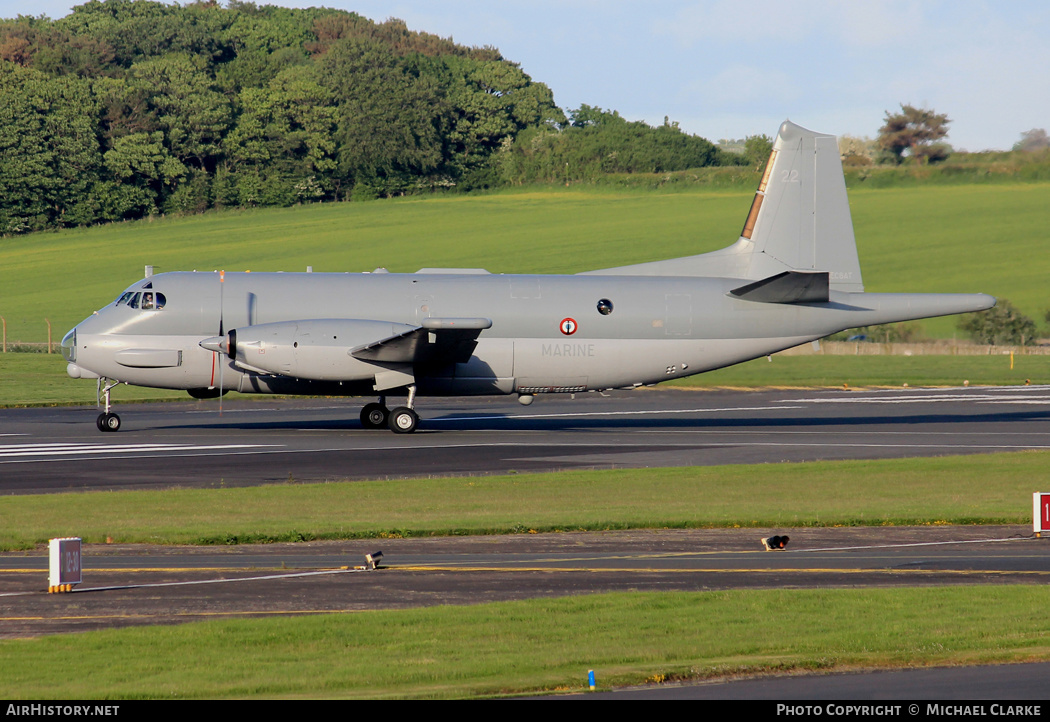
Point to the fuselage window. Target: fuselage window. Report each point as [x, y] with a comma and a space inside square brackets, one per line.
[605, 307]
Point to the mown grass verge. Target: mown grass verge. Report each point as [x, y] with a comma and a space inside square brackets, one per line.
[876, 371]
[537, 645]
[980, 489]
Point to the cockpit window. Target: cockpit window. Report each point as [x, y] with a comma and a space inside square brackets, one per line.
[147, 301]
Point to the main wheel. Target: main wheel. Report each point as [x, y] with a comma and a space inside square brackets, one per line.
[403, 420]
[108, 422]
[374, 416]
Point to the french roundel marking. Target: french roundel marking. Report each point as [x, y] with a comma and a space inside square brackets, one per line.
[568, 326]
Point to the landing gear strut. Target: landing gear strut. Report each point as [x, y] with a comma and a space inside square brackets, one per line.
[402, 420]
[106, 421]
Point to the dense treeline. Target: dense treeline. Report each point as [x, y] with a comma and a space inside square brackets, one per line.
[597, 142]
[127, 108]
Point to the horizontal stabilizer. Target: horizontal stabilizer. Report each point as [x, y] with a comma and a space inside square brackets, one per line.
[787, 287]
[439, 340]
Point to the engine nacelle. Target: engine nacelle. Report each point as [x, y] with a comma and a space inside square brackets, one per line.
[316, 349]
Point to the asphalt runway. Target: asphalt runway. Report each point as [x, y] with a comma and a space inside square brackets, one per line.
[140, 584]
[263, 441]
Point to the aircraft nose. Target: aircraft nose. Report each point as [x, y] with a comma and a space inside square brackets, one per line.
[69, 346]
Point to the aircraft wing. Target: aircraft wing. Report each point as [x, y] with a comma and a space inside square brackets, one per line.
[436, 340]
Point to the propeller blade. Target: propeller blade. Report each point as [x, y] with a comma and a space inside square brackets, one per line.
[222, 282]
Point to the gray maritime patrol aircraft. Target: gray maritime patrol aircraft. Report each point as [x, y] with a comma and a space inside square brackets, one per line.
[792, 277]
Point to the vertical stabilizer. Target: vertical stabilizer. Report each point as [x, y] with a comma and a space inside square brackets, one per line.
[799, 221]
[800, 217]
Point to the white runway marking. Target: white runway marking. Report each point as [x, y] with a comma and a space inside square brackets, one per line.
[36, 451]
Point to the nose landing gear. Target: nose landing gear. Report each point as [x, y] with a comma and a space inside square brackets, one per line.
[107, 420]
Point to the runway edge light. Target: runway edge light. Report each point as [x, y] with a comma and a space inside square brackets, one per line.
[1041, 513]
[65, 566]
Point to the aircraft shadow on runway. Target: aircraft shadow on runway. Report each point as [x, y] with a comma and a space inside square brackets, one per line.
[510, 422]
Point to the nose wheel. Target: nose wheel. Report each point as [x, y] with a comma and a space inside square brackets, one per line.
[108, 422]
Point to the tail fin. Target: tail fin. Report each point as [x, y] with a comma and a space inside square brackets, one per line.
[799, 221]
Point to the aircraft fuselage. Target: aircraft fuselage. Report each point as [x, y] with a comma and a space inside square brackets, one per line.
[548, 333]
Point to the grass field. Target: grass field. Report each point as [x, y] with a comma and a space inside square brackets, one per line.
[868, 371]
[987, 238]
[946, 490]
[535, 645]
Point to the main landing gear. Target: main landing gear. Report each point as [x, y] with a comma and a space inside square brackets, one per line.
[107, 420]
[402, 420]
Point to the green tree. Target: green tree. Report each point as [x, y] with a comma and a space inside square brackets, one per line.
[1002, 325]
[757, 149]
[283, 139]
[49, 153]
[389, 121]
[145, 172]
[264, 40]
[1033, 140]
[192, 113]
[597, 142]
[488, 102]
[913, 133]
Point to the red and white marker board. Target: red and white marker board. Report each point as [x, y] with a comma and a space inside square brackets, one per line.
[1041, 512]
